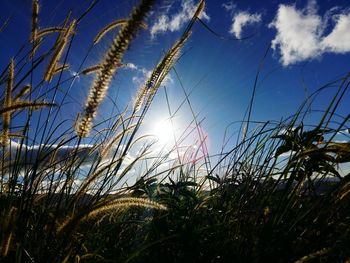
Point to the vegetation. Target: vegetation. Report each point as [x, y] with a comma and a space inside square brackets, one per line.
[269, 198]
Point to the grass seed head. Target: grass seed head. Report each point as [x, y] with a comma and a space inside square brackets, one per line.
[6, 116]
[109, 65]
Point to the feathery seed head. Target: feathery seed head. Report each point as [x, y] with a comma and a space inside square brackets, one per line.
[35, 14]
[110, 64]
[60, 46]
[25, 90]
[6, 116]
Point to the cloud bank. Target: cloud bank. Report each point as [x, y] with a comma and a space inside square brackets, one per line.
[301, 34]
[45, 154]
[53, 154]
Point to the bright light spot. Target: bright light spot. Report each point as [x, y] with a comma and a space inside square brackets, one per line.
[163, 131]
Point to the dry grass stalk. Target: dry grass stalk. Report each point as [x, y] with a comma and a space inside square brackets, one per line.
[96, 68]
[52, 65]
[127, 202]
[6, 115]
[109, 65]
[35, 14]
[8, 227]
[59, 48]
[104, 207]
[200, 9]
[34, 34]
[5, 24]
[91, 69]
[169, 59]
[314, 255]
[244, 132]
[109, 27]
[6, 244]
[93, 177]
[198, 12]
[35, 47]
[159, 73]
[119, 121]
[140, 97]
[34, 105]
[16, 134]
[344, 192]
[49, 30]
[107, 148]
[163, 68]
[25, 90]
[60, 68]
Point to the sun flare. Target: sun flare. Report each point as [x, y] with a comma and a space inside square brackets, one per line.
[163, 131]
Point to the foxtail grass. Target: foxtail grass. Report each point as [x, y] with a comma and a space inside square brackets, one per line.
[60, 68]
[91, 69]
[34, 105]
[6, 115]
[110, 207]
[49, 30]
[109, 27]
[8, 231]
[35, 14]
[23, 91]
[58, 51]
[109, 65]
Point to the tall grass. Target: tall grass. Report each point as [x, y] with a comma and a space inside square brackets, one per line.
[65, 198]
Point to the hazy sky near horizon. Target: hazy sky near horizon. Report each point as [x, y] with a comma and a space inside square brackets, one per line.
[308, 45]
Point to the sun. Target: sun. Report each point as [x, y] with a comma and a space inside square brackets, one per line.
[163, 130]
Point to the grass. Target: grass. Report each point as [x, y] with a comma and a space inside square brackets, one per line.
[260, 201]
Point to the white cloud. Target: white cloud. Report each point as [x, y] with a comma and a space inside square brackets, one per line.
[131, 66]
[242, 19]
[338, 40]
[298, 34]
[229, 6]
[301, 33]
[175, 22]
[161, 25]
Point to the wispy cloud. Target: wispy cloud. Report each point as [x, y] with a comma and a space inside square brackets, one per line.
[229, 6]
[243, 19]
[131, 66]
[240, 19]
[301, 33]
[177, 20]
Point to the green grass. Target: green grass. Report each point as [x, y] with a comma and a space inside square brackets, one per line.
[259, 202]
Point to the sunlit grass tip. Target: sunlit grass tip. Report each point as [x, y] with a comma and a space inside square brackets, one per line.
[58, 51]
[109, 65]
[110, 207]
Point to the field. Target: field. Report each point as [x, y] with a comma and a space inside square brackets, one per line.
[97, 188]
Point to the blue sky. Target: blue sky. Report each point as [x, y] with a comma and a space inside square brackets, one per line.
[309, 45]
